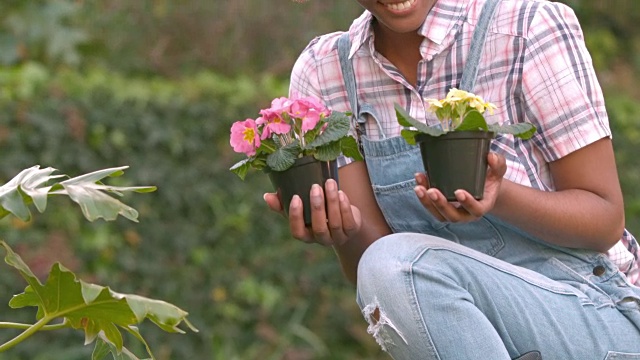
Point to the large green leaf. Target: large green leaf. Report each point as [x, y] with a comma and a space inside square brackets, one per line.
[409, 136]
[338, 125]
[350, 148]
[473, 121]
[284, 157]
[522, 130]
[328, 152]
[30, 186]
[406, 120]
[97, 310]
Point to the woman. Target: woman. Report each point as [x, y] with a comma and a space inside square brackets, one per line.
[542, 265]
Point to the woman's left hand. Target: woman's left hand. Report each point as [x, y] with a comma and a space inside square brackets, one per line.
[467, 208]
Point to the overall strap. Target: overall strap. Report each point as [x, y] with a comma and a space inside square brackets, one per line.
[344, 45]
[470, 71]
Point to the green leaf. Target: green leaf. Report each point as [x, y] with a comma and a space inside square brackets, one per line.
[241, 168]
[94, 308]
[100, 351]
[404, 119]
[338, 126]
[350, 148]
[473, 121]
[29, 186]
[30, 183]
[522, 130]
[328, 152]
[89, 193]
[409, 136]
[104, 348]
[283, 158]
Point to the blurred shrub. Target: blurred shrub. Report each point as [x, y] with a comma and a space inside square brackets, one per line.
[205, 241]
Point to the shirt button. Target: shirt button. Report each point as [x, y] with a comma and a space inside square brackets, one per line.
[599, 270]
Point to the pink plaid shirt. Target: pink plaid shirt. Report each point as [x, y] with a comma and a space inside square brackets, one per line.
[535, 67]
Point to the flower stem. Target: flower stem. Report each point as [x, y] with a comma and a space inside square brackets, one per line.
[30, 330]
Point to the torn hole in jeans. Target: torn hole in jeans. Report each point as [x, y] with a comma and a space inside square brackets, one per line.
[379, 325]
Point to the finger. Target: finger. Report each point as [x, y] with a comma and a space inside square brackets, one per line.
[447, 210]
[273, 202]
[427, 198]
[422, 179]
[296, 221]
[350, 225]
[319, 227]
[333, 211]
[471, 206]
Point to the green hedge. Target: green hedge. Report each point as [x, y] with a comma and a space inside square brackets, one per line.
[205, 242]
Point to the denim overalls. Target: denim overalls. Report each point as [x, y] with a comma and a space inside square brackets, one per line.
[479, 290]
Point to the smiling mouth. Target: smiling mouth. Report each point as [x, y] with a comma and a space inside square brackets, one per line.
[400, 6]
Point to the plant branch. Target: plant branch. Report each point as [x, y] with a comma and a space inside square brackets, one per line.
[19, 326]
[25, 334]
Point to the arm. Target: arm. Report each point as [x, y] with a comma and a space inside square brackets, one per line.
[586, 210]
[354, 182]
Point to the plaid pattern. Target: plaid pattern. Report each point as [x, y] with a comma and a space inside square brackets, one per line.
[535, 67]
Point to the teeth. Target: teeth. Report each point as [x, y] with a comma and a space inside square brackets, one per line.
[401, 6]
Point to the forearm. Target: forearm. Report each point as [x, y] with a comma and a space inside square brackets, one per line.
[573, 218]
[350, 252]
[355, 183]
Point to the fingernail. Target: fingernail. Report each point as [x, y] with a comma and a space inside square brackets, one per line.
[341, 196]
[459, 194]
[295, 201]
[315, 190]
[330, 185]
[419, 192]
[264, 196]
[432, 195]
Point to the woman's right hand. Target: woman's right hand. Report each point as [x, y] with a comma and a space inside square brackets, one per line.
[340, 222]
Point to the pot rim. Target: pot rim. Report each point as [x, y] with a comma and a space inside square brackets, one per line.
[469, 134]
[307, 159]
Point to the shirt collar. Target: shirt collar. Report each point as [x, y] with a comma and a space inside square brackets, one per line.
[441, 22]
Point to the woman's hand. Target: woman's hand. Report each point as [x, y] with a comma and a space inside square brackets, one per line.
[333, 226]
[467, 207]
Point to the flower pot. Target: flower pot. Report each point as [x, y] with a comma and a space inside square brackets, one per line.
[299, 178]
[456, 160]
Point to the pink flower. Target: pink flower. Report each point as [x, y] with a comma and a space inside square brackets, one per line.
[310, 110]
[276, 118]
[245, 137]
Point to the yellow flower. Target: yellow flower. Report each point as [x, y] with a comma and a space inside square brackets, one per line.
[434, 104]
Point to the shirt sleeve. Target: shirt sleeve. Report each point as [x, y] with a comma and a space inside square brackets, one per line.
[304, 75]
[562, 96]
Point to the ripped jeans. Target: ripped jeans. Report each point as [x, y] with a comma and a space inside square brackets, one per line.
[429, 298]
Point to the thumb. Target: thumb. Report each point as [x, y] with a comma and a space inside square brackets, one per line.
[497, 165]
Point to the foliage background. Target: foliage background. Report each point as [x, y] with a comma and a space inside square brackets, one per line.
[156, 84]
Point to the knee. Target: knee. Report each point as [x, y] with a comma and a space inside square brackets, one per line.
[389, 259]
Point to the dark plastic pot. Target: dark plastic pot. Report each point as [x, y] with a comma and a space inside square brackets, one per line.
[456, 160]
[299, 178]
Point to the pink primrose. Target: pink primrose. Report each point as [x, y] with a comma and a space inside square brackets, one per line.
[245, 137]
[274, 118]
[310, 110]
